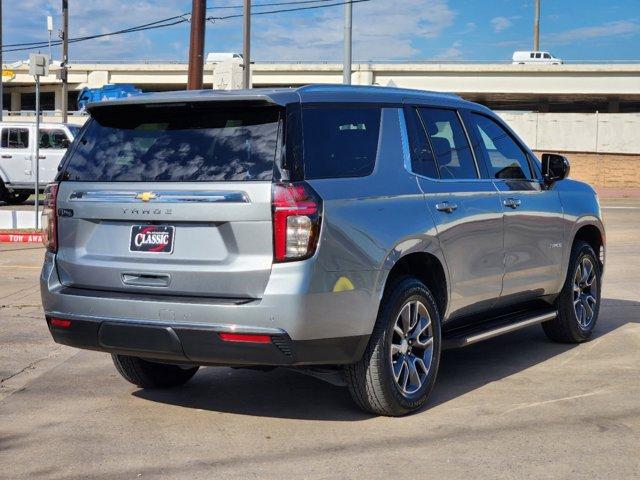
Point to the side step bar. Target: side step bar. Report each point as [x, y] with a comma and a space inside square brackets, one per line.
[478, 334]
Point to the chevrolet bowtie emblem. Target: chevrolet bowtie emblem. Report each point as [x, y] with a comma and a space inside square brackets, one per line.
[146, 196]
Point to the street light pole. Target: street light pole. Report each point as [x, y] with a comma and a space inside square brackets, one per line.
[536, 27]
[246, 49]
[346, 66]
[196, 45]
[50, 29]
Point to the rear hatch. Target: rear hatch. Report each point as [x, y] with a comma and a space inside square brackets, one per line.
[171, 200]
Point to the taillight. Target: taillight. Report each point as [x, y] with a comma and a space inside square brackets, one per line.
[296, 221]
[50, 218]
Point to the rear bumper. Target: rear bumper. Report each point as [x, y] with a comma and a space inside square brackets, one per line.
[202, 345]
[305, 324]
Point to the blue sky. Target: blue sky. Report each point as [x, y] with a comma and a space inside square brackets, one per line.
[454, 30]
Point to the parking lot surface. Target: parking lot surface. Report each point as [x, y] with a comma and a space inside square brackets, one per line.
[517, 406]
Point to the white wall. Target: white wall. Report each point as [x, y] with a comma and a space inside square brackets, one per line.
[578, 132]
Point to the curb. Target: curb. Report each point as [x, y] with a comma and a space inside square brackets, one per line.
[20, 238]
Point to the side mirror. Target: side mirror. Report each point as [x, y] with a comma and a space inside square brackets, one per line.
[554, 167]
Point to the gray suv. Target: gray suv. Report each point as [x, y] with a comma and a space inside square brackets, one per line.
[351, 233]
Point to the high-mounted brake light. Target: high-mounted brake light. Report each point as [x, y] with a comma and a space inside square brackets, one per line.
[296, 221]
[50, 218]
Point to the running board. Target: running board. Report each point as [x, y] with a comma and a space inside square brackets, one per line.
[479, 334]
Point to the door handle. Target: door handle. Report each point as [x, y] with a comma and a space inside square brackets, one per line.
[7, 156]
[42, 157]
[446, 207]
[512, 202]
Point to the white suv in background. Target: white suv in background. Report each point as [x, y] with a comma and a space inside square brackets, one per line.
[17, 156]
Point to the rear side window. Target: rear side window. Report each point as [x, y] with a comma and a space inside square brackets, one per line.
[340, 141]
[15, 138]
[178, 143]
[56, 139]
[505, 158]
[422, 159]
[449, 143]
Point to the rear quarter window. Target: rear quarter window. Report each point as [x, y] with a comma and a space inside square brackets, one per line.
[340, 142]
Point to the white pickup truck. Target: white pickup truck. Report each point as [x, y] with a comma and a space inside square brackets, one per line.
[17, 157]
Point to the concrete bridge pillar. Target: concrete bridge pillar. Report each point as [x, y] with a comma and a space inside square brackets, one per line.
[58, 99]
[16, 101]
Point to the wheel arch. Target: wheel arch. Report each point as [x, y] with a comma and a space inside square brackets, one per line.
[430, 268]
[591, 231]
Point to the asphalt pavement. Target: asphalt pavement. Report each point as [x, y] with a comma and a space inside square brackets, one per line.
[514, 407]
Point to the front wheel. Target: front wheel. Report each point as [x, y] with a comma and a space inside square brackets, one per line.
[398, 369]
[579, 301]
[146, 374]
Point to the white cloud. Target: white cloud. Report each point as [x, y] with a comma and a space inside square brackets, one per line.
[452, 53]
[379, 32]
[609, 29]
[26, 22]
[500, 23]
[382, 30]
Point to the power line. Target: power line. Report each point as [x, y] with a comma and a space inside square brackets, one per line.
[269, 4]
[297, 9]
[184, 18]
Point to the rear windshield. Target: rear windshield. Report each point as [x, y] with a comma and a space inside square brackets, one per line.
[178, 143]
[340, 141]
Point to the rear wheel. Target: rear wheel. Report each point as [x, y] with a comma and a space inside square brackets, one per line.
[398, 369]
[146, 374]
[579, 300]
[15, 198]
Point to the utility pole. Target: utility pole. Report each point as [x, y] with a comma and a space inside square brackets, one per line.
[246, 48]
[196, 45]
[346, 66]
[50, 30]
[65, 60]
[1, 67]
[536, 27]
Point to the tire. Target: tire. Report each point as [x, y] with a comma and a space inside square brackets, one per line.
[383, 382]
[15, 198]
[146, 374]
[573, 323]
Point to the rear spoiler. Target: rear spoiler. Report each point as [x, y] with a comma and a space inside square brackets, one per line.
[186, 96]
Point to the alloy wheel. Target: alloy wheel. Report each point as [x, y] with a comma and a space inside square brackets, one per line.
[412, 347]
[585, 292]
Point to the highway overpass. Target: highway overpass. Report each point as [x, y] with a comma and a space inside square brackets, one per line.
[611, 88]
